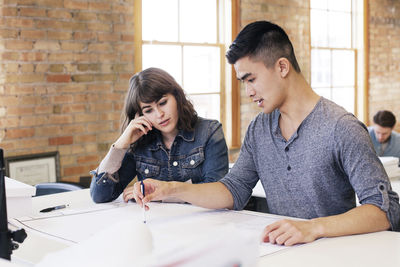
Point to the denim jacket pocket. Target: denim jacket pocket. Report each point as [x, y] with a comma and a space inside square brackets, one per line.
[147, 170]
[193, 160]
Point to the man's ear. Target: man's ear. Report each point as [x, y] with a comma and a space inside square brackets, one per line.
[284, 66]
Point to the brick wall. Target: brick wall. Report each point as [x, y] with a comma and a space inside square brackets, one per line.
[64, 71]
[294, 17]
[384, 57]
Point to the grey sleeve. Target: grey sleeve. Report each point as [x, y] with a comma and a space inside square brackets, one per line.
[358, 159]
[112, 161]
[243, 176]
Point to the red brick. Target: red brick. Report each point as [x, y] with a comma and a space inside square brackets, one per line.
[9, 33]
[88, 159]
[9, 100]
[20, 133]
[26, 121]
[68, 171]
[104, 27]
[9, 122]
[75, 5]
[109, 37]
[72, 129]
[86, 138]
[18, 45]
[19, 23]
[32, 12]
[84, 36]
[60, 119]
[10, 56]
[61, 99]
[48, 131]
[59, 35]
[59, 14]
[127, 37]
[104, 6]
[19, 110]
[85, 16]
[64, 140]
[9, 11]
[19, 89]
[73, 108]
[61, 78]
[47, 45]
[27, 68]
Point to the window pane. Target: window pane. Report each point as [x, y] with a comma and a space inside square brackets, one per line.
[343, 68]
[321, 4]
[198, 21]
[160, 20]
[339, 5]
[201, 69]
[339, 30]
[320, 68]
[207, 106]
[325, 92]
[166, 57]
[319, 28]
[344, 97]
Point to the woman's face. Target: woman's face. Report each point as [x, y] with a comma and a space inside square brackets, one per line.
[163, 114]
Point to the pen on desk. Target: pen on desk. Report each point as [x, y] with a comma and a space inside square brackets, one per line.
[144, 208]
[54, 208]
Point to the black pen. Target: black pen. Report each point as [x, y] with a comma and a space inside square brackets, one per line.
[54, 208]
[144, 194]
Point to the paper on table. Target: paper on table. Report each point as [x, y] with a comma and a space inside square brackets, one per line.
[117, 245]
[173, 225]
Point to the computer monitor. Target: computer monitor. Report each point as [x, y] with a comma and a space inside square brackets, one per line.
[6, 236]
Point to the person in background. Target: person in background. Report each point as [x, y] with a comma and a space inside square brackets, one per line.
[311, 155]
[385, 140]
[162, 138]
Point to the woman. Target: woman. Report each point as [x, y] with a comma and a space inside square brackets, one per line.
[162, 138]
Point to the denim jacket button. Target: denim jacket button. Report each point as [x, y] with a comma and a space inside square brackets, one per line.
[146, 171]
[192, 162]
[104, 181]
[175, 163]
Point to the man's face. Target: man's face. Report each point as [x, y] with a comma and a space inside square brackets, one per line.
[382, 133]
[263, 85]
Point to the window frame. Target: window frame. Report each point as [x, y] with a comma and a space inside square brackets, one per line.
[359, 21]
[229, 105]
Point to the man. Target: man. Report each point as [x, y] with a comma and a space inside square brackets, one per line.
[386, 141]
[310, 154]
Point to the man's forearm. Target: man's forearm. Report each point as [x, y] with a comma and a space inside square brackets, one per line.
[362, 219]
[207, 195]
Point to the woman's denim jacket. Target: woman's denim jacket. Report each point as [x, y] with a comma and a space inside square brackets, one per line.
[200, 155]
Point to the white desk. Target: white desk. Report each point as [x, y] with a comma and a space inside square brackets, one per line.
[376, 249]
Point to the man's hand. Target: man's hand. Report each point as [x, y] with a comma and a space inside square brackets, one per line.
[289, 232]
[154, 190]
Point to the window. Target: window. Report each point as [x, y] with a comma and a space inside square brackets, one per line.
[188, 39]
[336, 50]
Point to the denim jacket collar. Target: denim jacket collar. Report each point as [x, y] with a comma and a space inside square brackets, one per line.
[187, 136]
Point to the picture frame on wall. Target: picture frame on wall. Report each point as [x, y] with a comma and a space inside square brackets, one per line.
[34, 168]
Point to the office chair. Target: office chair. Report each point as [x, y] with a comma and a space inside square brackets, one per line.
[53, 188]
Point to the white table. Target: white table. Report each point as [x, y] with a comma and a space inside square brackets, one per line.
[376, 249]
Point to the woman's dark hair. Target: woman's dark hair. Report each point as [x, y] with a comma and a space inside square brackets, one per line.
[263, 41]
[150, 85]
[385, 118]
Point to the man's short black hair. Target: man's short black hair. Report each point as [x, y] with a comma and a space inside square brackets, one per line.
[385, 118]
[262, 41]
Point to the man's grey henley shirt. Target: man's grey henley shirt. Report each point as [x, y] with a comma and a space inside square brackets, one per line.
[316, 172]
